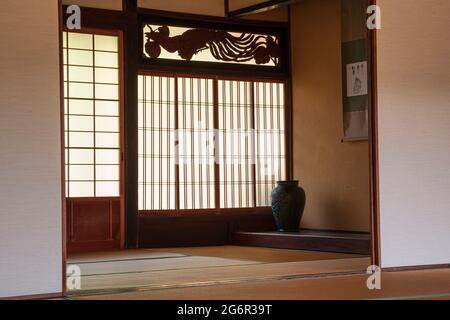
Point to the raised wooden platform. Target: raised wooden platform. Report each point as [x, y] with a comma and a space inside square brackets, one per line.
[326, 241]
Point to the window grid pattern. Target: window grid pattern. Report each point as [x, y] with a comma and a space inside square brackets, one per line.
[236, 144]
[157, 129]
[91, 115]
[270, 138]
[209, 144]
[196, 143]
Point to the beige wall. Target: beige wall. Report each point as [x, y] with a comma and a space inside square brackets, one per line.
[30, 141]
[238, 4]
[100, 4]
[280, 14]
[414, 131]
[213, 7]
[334, 175]
[206, 7]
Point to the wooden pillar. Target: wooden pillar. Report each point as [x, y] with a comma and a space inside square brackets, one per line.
[131, 51]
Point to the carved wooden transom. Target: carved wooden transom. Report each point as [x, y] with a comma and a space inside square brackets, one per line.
[210, 45]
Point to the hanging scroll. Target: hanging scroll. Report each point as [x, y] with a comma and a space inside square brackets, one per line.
[355, 75]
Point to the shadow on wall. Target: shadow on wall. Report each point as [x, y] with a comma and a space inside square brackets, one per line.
[335, 175]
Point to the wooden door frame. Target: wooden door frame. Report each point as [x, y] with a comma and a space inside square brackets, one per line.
[101, 31]
[63, 146]
[373, 147]
[126, 22]
[218, 210]
[119, 34]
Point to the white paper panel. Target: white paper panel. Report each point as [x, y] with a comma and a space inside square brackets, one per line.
[414, 132]
[30, 140]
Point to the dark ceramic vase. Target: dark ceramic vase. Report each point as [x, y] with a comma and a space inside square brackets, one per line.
[288, 204]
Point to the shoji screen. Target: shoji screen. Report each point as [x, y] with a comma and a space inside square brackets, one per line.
[270, 138]
[209, 143]
[236, 144]
[157, 125]
[92, 130]
[196, 143]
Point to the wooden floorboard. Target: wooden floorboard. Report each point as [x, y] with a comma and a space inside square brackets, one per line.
[325, 241]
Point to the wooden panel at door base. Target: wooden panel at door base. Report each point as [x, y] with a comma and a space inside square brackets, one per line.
[93, 224]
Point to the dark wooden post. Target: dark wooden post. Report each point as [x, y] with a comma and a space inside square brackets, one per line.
[131, 123]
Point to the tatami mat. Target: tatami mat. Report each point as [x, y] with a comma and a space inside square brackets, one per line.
[155, 280]
[153, 269]
[108, 256]
[427, 284]
[147, 260]
[266, 255]
[149, 265]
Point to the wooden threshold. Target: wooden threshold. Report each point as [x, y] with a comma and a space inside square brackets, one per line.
[315, 240]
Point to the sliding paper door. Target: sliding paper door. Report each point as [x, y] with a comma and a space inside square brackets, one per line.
[208, 145]
[92, 140]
